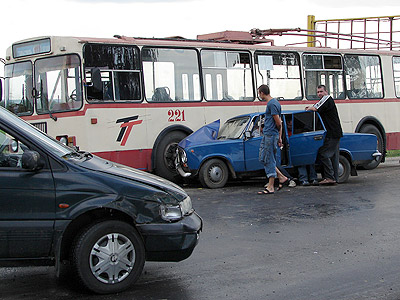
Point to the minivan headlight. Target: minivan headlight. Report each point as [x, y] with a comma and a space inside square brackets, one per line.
[176, 212]
[186, 206]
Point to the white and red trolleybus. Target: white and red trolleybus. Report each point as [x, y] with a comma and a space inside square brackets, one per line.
[130, 100]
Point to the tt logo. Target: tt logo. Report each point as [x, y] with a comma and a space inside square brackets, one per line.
[126, 128]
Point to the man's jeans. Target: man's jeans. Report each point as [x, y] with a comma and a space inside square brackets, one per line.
[304, 175]
[267, 155]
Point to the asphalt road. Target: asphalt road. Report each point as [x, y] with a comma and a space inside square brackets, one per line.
[337, 242]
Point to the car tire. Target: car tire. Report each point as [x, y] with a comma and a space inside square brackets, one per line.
[368, 128]
[344, 169]
[165, 156]
[213, 174]
[108, 257]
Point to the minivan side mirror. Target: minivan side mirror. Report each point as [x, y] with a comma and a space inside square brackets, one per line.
[31, 161]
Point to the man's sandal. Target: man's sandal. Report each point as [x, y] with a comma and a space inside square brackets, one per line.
[265, 192]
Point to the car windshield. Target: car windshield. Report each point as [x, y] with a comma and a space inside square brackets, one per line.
[56, 147]
[233, 128]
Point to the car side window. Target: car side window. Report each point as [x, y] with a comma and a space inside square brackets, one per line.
[11, 151]
[256, 130]
[305, 122]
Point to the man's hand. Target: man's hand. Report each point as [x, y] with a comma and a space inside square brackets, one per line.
[308, 108]
[280, 144]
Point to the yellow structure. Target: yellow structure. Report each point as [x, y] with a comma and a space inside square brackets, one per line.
[383, 35]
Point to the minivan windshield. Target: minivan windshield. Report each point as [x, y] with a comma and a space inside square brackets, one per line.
[232, 129]
[35, 134]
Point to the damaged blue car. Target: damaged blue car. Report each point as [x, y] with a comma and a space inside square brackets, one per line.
[215, 154]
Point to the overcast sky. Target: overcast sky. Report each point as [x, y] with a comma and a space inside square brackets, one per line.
[162, 18]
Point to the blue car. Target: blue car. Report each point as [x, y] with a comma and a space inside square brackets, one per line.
[215, 154]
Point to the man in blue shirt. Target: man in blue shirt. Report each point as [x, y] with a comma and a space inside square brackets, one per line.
[272, 137]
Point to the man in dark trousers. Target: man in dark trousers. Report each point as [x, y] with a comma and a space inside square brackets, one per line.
[329, 152]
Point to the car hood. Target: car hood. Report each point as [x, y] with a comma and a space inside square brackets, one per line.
[205, 134]
[101, 165]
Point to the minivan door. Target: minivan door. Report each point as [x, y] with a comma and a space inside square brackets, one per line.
[27, 202]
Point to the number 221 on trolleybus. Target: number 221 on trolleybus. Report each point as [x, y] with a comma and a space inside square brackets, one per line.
[131, 100]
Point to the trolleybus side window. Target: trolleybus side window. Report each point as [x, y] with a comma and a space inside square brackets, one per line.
[171, 74]
[363, 76]
[58, 84]
[227, 75]
[18, 88]
[112, 73]
[396, 75]
[280, 71]
[326, 69]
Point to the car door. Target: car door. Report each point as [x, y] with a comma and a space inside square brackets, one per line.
[307, 137]
[252, 145]
[27, 202]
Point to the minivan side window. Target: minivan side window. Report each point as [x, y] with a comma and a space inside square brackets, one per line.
[11, 151]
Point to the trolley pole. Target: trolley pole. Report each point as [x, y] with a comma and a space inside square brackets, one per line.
[311, 26]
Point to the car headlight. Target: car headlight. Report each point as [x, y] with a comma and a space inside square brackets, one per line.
[176, 212]
[186, 206]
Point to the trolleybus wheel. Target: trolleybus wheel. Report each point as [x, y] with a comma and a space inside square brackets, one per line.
[368, 128]
[165, 155]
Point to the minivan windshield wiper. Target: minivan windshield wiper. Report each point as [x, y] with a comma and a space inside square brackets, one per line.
[86, 154]
[79, 154]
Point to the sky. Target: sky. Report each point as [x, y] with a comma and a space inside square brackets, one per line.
[163, 18]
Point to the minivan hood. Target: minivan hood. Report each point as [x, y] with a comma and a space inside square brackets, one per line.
[99, 164]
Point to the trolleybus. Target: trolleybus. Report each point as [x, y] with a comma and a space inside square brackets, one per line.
[131, 100]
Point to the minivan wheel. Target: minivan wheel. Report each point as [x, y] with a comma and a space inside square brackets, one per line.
[108, 257]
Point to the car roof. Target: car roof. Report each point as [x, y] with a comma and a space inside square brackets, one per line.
[285, 112]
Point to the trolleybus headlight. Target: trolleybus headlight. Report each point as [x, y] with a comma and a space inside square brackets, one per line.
[63, 139]
[67, 140]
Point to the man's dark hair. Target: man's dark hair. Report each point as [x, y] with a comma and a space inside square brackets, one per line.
[322, 86]
[264, 89]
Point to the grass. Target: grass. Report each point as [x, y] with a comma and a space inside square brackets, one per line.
[393, 153]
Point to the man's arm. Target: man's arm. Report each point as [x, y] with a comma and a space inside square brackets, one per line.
[278, 123]
[320, 103]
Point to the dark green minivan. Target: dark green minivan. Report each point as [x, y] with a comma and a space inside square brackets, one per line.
[61, 205]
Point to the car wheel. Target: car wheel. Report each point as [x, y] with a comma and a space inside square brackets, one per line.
[165, 155]
[368, 128]
[213, 174]
[108, 257]
[344, 169]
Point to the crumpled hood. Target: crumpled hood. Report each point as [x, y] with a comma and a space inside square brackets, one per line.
[205, 134]
[102, 165]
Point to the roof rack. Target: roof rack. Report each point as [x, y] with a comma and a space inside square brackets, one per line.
[357, 33]
[240, 37]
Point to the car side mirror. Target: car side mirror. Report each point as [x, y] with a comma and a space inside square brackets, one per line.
[247, 134]
[31, 161]
[14, 146]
